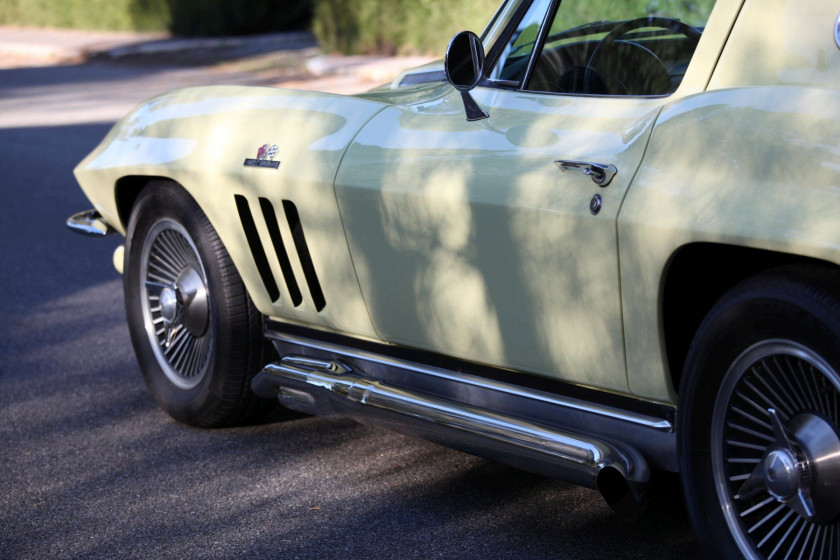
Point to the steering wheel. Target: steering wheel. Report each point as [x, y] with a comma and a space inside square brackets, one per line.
[632, 68]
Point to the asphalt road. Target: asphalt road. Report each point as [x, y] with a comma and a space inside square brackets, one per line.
[91, 468]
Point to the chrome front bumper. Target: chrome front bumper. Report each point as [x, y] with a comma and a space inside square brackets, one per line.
[89, 223]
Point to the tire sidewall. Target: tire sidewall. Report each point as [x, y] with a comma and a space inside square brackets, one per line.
[156, 202]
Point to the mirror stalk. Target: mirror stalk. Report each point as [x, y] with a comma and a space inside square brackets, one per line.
[474, 112]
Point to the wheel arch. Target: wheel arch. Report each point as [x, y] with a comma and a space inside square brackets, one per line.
[126, 191]
[695, 277]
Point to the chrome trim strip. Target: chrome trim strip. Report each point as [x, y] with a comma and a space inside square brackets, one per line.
[89, 223]
[589, 454]
[658, 424]
[538, 46]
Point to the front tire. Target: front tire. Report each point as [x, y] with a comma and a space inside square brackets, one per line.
[196, 333]
[758, 419]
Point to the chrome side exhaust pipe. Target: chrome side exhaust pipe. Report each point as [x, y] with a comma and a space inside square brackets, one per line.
[331, 388]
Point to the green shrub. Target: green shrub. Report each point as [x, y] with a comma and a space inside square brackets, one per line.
[425, 26]
[80, 14]
[182, 17]
[226, 17]
[396, 26]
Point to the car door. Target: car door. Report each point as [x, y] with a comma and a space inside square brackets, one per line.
[493, 240]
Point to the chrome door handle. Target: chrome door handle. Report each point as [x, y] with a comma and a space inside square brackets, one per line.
[600, 173]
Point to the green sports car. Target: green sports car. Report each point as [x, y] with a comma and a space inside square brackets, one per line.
[599, 240]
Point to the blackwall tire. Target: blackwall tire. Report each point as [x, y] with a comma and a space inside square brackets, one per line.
[758, 419]
[197, 335]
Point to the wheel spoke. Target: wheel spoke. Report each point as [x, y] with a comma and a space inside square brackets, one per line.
[750, 432]
[177, 356]
[189, 355]
[745, 445]
[793, 393]
[187, 253]
[818, 538]
[784, 537]
[772, 532]
[752, 403]
[158, 278]
[743, 460]
[752, 418]
[168, 249]
[169, 256]
[767, 518]
[191, 365]
[164, 267]
[182, 362]
[758, 506]
[779, 401]
[805, 542]
[802, 382]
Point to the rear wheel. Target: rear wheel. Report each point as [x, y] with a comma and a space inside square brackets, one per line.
[758, 419]
[196, 333]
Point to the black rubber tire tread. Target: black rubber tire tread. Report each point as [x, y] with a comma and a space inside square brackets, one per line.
[796, 302]
[224, 396]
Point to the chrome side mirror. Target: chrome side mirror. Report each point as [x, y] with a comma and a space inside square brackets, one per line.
[464, 67]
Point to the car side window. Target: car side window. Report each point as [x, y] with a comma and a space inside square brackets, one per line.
[615, 47]
[514, 59]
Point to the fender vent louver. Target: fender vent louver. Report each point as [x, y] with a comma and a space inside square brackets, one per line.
[280, 248]
[301, 247]
[303, 254]
[256, 247]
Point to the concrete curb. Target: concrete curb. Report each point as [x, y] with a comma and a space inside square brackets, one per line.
[58, 45]
[268, 42]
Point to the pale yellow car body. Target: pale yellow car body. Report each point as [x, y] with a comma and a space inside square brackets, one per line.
[398, 180]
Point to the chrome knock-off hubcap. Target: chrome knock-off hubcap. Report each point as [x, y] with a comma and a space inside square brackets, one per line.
[176, 305]
[169, 304]
[192, 295]
[802, 470]
[776, 452]
[780, 475]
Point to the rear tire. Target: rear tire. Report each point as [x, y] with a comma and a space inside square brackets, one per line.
[195, 331]
[758, 419]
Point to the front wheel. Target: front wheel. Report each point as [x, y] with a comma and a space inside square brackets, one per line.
[196, 333]
[758, 419]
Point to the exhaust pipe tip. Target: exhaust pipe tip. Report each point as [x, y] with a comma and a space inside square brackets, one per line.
[624, 497]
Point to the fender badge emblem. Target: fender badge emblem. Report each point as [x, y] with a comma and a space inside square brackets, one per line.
[265, 157]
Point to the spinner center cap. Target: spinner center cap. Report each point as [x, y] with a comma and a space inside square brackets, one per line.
[780, 474]
[169, 304]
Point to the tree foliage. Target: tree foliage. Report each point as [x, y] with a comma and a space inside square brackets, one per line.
[182, 17]
[396, 26]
